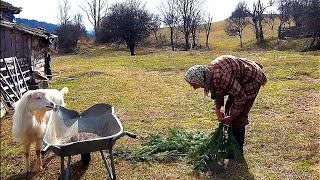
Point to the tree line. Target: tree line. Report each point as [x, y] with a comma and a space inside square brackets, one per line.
[130, 22]
[303, 14]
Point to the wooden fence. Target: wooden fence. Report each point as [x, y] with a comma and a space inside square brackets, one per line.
[294, 32]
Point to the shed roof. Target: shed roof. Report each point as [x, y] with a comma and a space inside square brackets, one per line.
[29, 30]
[7, 7]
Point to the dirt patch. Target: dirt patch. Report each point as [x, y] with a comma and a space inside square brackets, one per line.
[124, 115]
[308, 103]
[167, 72]
[92, 74]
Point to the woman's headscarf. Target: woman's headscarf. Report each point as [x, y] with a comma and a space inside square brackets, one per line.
[198, 74]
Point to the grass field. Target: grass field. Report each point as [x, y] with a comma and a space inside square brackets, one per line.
[150, 96]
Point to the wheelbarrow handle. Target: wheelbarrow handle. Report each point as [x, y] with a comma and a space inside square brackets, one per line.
[45, 149]
[130, 134]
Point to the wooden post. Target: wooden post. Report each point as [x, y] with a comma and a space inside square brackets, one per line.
[17, 75]
[7, 96]
[6, 82]
[23, 78]
[11, 77]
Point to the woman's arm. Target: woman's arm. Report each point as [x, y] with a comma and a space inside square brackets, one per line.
[229, 85]
[218, 111]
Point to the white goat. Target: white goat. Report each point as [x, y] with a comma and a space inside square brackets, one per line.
[30, 118]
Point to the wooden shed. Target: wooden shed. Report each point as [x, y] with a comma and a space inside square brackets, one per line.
[23, 51]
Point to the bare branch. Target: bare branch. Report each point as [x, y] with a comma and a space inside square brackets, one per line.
[64, 10]
[95, 10]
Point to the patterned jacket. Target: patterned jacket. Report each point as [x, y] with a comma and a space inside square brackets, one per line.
[234, 76]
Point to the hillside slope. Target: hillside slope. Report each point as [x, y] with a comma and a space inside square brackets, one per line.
[219, 40]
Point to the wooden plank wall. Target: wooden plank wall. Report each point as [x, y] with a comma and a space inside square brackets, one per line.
[13, 43]
[5, 43]
[21, 45]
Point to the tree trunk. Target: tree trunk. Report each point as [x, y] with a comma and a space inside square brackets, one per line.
[207, 40]
[131, 50]
[261, 36]
[186, 46]
[257, 32]
[256, 28]
[156, 37]
[131, 43]
[279, 31]
[314, 44]
[240, 37]
[171, 38]
[194, 39]
[317, 45]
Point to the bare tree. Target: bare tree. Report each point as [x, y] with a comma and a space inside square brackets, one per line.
[79, 26]
[297, 10]
[188, 10]
[95, 10]
[284, 15]
[155, 25]
[256, 14]
[311, 23]
[169, 15]
[64, 12]
[70, 33]
[207, 27]
[270, 19]
[237, 21]
[195, 23]
[128, 22]
[306, 16]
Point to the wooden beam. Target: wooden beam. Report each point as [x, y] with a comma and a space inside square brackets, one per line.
[7, 95]
[21, 73]
[11, 76]
[4, 81]
[17, 75]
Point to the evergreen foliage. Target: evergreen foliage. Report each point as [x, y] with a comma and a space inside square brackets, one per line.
[210, 153]
[206, 153]
[175, 147]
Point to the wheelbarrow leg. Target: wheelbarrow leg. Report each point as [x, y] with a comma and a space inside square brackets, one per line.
[111, 175]
[68, 168]
[112, 163]
[62, 174]
[65, 174]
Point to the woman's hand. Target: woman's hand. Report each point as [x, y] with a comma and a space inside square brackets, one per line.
[227, 120]
[219, 113]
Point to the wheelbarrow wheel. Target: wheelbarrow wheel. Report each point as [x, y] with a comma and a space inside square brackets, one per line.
[85, 158]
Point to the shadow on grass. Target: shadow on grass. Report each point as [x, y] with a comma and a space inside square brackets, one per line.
[29, 175]
[234, 170]
[77, 170]
[33, 174]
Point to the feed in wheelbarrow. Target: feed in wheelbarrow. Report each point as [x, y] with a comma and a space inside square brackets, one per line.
[81, 136]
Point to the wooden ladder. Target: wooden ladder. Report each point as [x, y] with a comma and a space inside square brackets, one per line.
[13, 79]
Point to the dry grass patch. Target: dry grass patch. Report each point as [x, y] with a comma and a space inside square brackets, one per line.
[150, 96]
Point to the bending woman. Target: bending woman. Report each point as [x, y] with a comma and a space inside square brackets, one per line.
[239, 79]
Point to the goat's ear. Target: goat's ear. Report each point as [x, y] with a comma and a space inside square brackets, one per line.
[30, 96]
